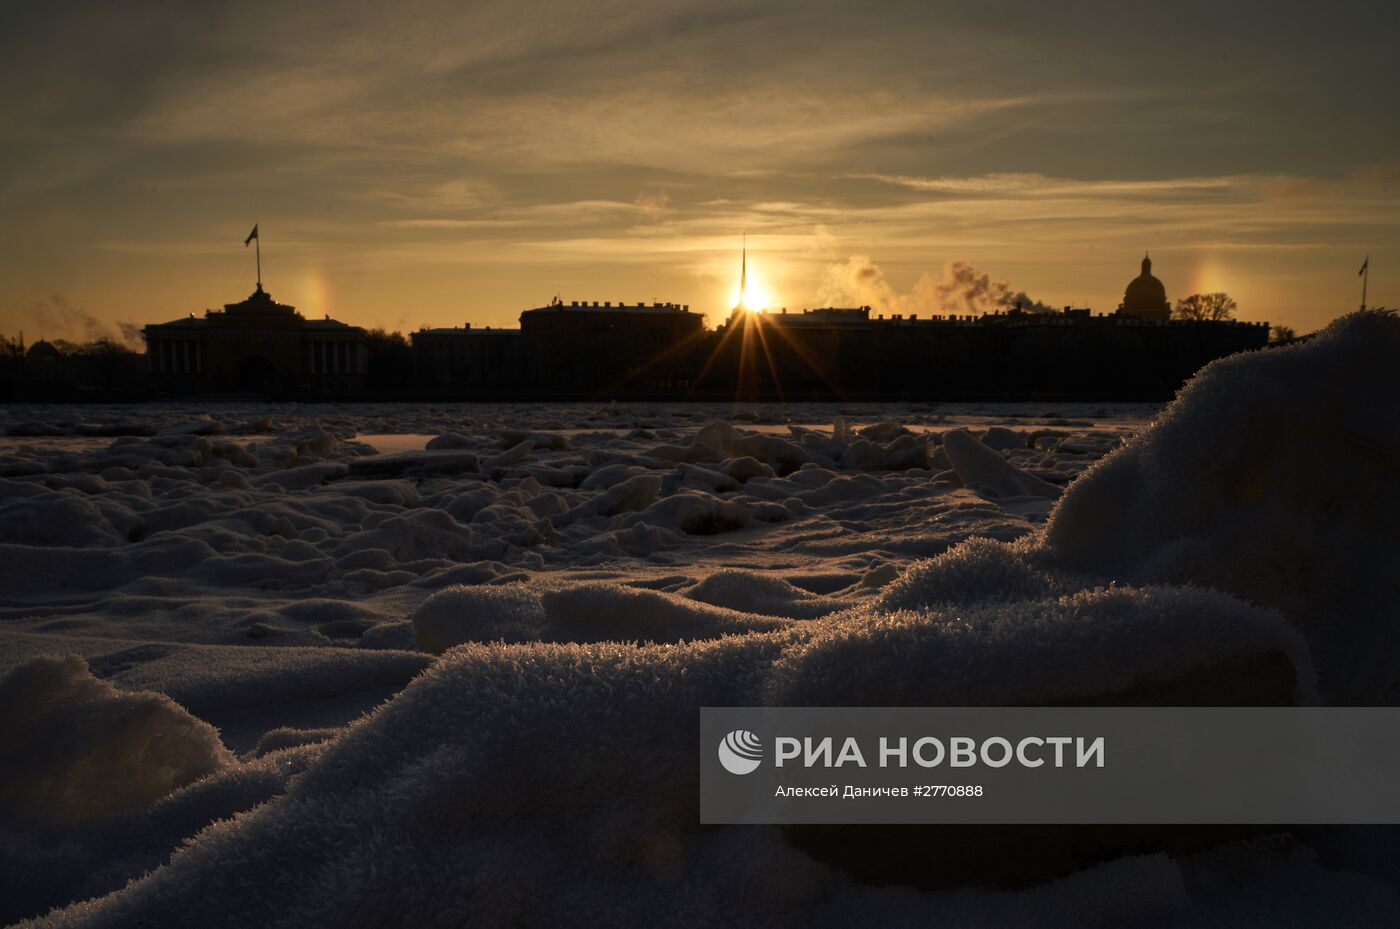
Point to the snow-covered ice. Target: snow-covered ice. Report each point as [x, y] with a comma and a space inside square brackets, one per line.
[438, 665]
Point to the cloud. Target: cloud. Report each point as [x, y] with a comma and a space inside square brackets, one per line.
[461, 194]
[1040, 186]
[960, 290]
[652, 203]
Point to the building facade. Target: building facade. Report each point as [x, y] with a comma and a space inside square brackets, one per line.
[256, 346]
[593, 348]
[467, 359]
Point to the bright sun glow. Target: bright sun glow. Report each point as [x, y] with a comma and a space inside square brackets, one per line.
[757, 295]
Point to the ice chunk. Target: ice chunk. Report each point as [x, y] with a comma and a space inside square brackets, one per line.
[784, 456]
[74, 748]
[1001, 438]
[745, 469]
[882, 432]
[610, 476]
[635, 493]
[717, 435]
[395, 493]
[513, 455]
[987, 472]
[311, 442]
[450, 461]
[514, 524]
[553, 441]
[204, 426]
[416, 534]
[714, 481]
[465, 505]
[699, 513]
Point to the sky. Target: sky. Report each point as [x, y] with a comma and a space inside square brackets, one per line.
[436, 163]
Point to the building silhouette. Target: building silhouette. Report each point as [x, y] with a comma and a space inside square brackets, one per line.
[466, 359]
[1137, 353]
[1145, 297]
[44, 363]
[591, 347]
[663, 351]
[256, 346]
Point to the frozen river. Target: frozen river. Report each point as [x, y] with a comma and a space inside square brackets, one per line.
[462, 648]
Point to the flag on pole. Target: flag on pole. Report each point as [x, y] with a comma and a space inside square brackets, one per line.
[1364, 265]
[251, 236]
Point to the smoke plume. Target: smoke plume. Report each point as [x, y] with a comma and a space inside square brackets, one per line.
[56, 318]
[961, 290]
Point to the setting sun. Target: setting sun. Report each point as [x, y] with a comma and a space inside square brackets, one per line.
[755, 294]
[751, 292]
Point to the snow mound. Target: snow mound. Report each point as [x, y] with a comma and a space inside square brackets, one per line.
[602, 612]
[59, 518]
[1274, 476]
[506, 613]
[579, 612]
[753, 592]
[1164, 646]
[576, 763]
[977, 570]
[75, 748]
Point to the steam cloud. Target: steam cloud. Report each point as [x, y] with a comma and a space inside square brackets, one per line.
[56, 318]
[961, 290]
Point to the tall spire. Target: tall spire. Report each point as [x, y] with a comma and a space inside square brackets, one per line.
[744, 274]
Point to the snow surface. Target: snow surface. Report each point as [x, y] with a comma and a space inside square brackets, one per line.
[454, 654]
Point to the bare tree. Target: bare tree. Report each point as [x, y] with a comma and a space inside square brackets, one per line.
[1282, 334]
[1206, 306]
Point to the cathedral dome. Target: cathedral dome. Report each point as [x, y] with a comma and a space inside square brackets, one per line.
[1145, 296]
